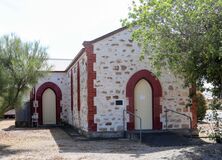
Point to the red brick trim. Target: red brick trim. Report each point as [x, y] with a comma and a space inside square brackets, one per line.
[193, 108]
[157, 93]
[106, 35]
[71, 81]
[78, 86]
[58, 94]
[91, 58]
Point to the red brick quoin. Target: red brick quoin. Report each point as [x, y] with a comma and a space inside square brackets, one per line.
[58, 94]
[91, 58]
[157, 93]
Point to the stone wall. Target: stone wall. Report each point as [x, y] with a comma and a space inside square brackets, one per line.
[80, 111]
[117, 59]
[68, 92]
[83, 93]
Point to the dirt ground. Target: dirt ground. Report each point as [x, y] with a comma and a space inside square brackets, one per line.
[55, 144]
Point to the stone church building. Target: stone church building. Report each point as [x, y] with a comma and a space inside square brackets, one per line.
[106, 85]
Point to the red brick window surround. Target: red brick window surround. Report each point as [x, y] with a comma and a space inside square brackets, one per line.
[156, 95]
[58, 94]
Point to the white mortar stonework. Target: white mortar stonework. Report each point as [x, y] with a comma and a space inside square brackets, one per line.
[117, 59]
[83, 93]
[80, 119]
[69, 114]
[60, 79]
[76, 118]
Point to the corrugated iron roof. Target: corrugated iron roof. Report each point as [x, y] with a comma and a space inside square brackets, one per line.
[10, 112]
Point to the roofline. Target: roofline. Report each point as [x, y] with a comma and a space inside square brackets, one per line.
[104, 36]
[55, 71]
[75, 59]
[51, 71]
[86, 43]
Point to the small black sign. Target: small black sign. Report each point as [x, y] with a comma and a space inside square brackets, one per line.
[119, 102]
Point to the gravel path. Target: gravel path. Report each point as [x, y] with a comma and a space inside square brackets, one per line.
[55, 144]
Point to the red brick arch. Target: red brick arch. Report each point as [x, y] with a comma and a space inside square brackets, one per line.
[58, 94]
[156, 94]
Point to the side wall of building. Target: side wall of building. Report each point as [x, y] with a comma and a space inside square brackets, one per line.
[117, 60]
[77, 75]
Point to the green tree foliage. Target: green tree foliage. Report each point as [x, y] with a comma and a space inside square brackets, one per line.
[217, 129]
[21, 65]
[185, 36]
[201, 106]
[216, 104]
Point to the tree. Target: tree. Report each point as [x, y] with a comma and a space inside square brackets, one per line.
[201, 106]
[185, 36]
[21, 65]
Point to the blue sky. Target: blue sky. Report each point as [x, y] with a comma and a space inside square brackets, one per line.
[62, 25]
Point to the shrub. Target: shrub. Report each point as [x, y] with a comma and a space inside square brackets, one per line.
[201, 106]
[217, 126]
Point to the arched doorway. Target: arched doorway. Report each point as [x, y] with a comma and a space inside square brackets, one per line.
[154, 85]
[143, 104]
[49, 107]
[51, 90]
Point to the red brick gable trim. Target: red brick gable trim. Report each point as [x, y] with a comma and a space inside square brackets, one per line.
[157, 93]
[58, 94]
[106, 35]
[91, 58]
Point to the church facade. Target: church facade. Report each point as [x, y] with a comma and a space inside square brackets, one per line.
[107, 89]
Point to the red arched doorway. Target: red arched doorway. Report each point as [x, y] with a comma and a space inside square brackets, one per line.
[58, 94]
[156, 95]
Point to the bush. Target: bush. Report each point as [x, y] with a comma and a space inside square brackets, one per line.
[217, 126]
[201, 106]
